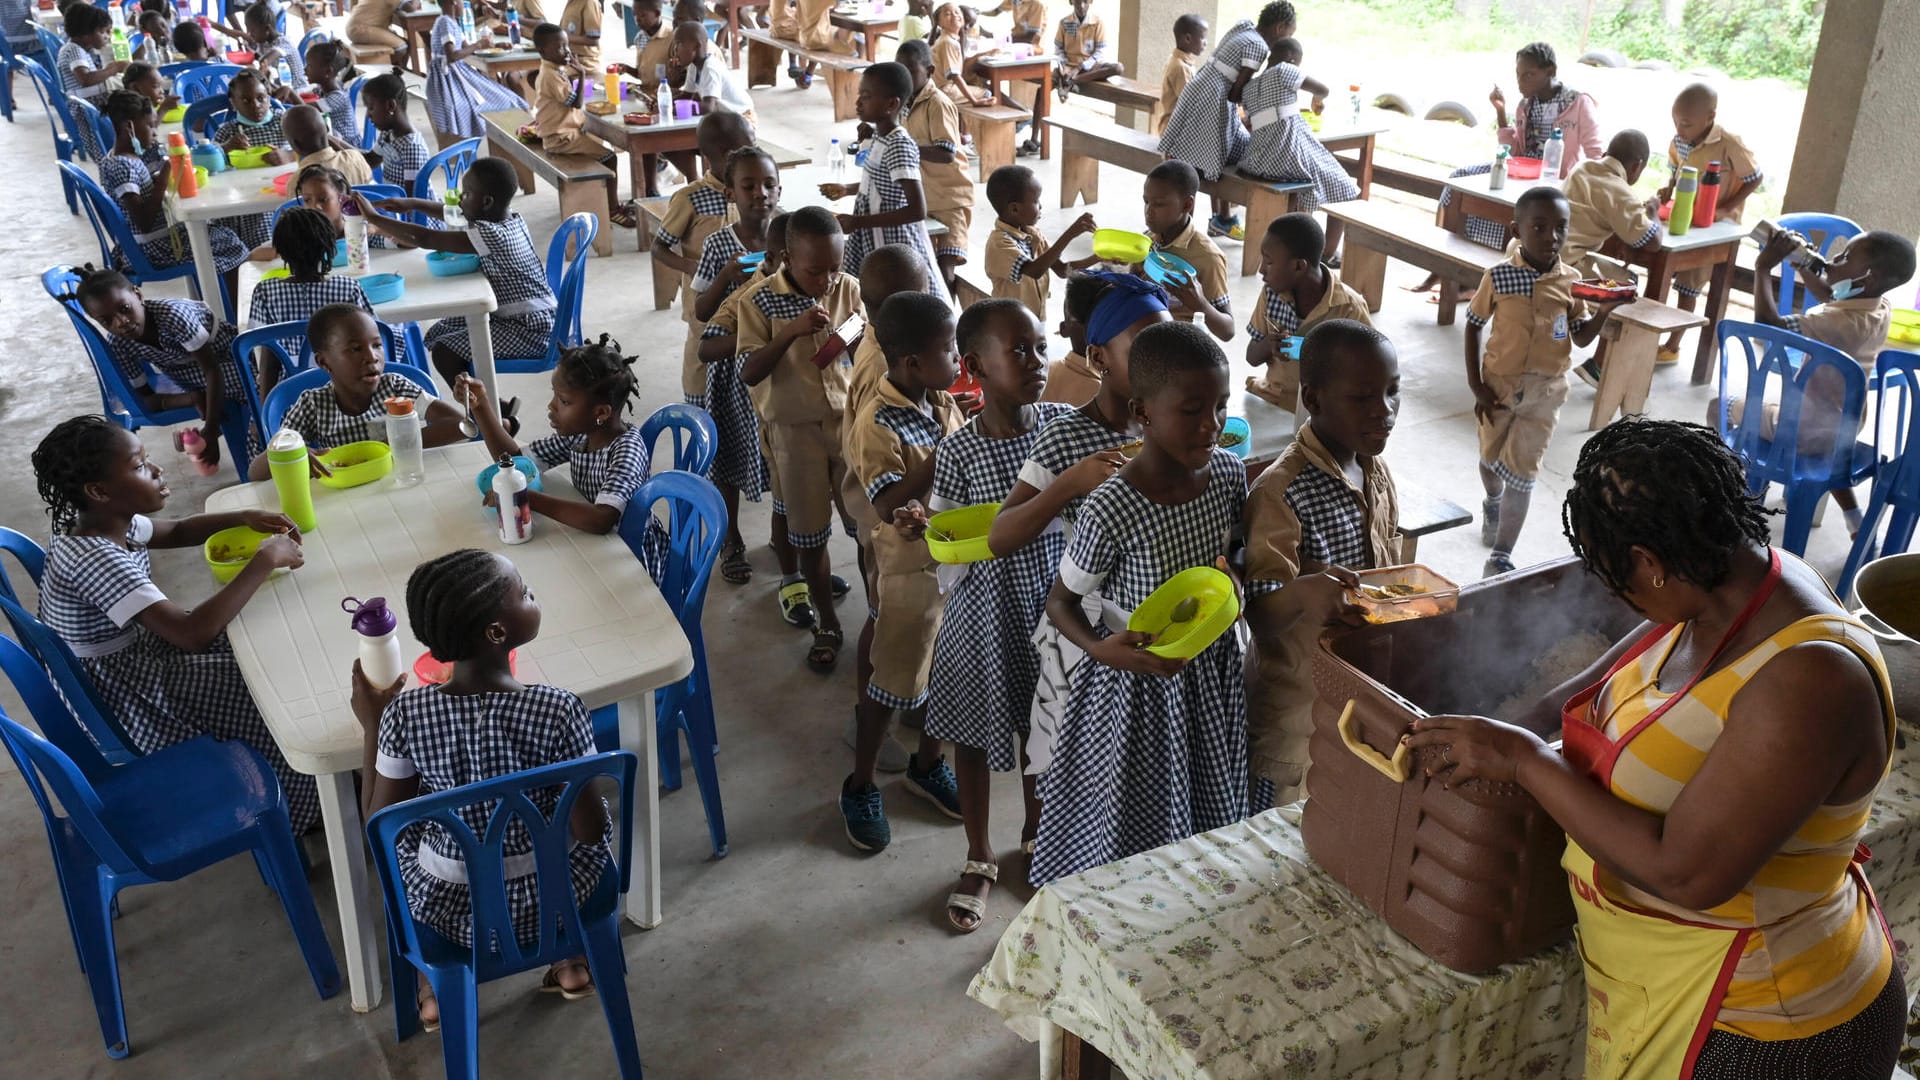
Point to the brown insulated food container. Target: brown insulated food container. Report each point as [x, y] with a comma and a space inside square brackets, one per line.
[1471, 876]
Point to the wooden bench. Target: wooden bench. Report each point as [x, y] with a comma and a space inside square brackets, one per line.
[843, 72]
[1379, 231]
[1402, 173]
[967, 292]
[1629, 341]
[1087, 143]
[992, 129]
[584, 184]
[1122, 91]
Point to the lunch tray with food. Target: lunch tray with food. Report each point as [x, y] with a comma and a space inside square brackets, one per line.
[1606, 290]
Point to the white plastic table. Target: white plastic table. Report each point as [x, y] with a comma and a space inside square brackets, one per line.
[234, 193]
[606, 634]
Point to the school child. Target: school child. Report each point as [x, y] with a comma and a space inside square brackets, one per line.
[1283, 147]
[581, 20]
[950, 54]
[270, 47]
[1071, 380]
[1602, 203]
[165, 671]
[522, 323]
[933, 122]
[984, 662]
[146, 80]
[783, 325]
[695, 212]
[351, 407]
[890, 446]
[329, 68]
[889, 205]
[1074, 454]
[1189, 41]
[18, 26]
[1080, 51]
[917, 23]
[254, 121]
[398, 150]
[308, 135]
[154, 50]
[1325, 509]
[1169, 194]
[84, 70]
[1018, 257]
[326, 190]
[472, 609]
[134, 174]
[652, 45]
[809, 22]
[1698, 141]
[304, 239]
[1520, 382]
[1298, 292]
[1151, 749]
[1204, 128]
[374, 23]
[458, 94]
[558, 116]
[190, 44]
[701, 80]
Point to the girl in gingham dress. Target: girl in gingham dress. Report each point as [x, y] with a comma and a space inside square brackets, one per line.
[329, 67]
[472, 609]
[304, 241]
[134, 173]
[398, 150]
[889, 205]
[593, 389]
[1151, 749]
[166, 672]
[1204, 129]
[984, 663]
[325, 189]
[255, 122]
[84, 70]
[458, 94]
[1283, 146]
[523, 321]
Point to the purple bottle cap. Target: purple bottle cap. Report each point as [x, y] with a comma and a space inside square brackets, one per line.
[371, 617]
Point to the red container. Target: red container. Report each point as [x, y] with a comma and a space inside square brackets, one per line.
[239, 56]
[1524, 168]
[1708, 199]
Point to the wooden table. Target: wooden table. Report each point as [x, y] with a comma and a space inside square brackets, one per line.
[870, 22]
[417, 28]
[234, 193]
[999, 68]
[640, 140]
[1712, 248]
[513, 60]
[1360, 137]
[733, 8]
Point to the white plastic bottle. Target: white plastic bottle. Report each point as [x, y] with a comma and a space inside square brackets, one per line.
[380, 659]
[403, 435]
[1555, 153]
[516, 513]
[358, 255]
[836, 162]
[466, 20]
[663, 95]
[1353, 90]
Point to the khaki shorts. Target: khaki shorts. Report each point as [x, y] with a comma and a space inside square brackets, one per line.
[773, 473]
[1693, 282]
[853, 499]
[906, 622]
[956, 219]
[808, 463]
[1514, 442]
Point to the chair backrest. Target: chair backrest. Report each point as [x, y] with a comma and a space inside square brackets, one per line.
[46, 764]
[53, 101]
[496, 949]
[136, 41]
[271, 338]
[31, 556]
[181, 67]
[696, 529]
[451, 163]
[204, 79]
[312, 37]
[110, 226]
[85, 112]
[695, 439]
[104, 736]
[1780, 364]
[1827, 231]
[368, 135]
[205, 115]
[52, 41]
[288, 390]
[117, 399]
[567, 277]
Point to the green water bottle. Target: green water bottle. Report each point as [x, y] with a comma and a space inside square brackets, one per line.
[1684, 190]
[287, 461]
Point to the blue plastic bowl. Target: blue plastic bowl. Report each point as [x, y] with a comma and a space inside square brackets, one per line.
[1165, 269]
[383, 288]
[1236, 436]
[753, 259]
[452, 264]
[523, 463]
[340, 253]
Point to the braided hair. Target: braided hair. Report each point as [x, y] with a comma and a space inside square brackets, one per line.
[450, 599]
[304, 238]
[1670, 487]
[601, 371]
[95, 284]
[387, 87]
[124, 107]
[337, 57]
[743, 153]
[74, 454]
[1538, 54]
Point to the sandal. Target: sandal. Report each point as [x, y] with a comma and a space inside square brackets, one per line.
[510, 416]
[550, 984]
[796, 604]
[734, 567]
[826, 649]
[976, 906]
[423, 995]
[626, 215]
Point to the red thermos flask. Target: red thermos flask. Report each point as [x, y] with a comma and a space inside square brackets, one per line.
[1708, 201]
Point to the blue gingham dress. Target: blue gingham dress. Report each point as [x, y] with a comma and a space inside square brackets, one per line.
[1065, 440]
[316, 414]
[183, 327]
[737, 459]
[984, 662]
[286, 300]
[267, 58]
[1283, 147]
[893, 157]
[92, 593]
[267, 132]
[1204, 129]
[401, 157]
[339, 109]
[125, 179]
[456, 93]
[523, 321]
[1142, 760]
[450, 740]
[607, 477]
[74, 57]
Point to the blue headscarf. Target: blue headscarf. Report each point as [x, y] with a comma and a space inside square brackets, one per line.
[1129, 299]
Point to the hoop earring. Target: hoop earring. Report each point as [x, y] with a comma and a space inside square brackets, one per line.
[1659, 583]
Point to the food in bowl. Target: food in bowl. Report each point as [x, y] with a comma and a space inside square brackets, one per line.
[1605, 290]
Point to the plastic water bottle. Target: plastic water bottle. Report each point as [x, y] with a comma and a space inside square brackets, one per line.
[836, 162]
[356, 228]
[119, 15]
[287, 461]
[466, 20]
[284, 73]
[1550, 162]
[1497, 179]
[1685, 190]
[122, 48]
[1354, 90]
[403, 435]
[194, 446]
[1707, 203]
[516, 510]
[513, 25]
[374, 621]
[450, 212]
[662, 94]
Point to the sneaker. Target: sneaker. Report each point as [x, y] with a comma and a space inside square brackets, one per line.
[1589, 373]
[840, 586]
[1497, 563]
[893, 756]
[1490, 521]
[1061, 89]
[937, 785]
[1030, 148]
[865, 817]
[1667, 356]
[796, 604]
[1228, 227]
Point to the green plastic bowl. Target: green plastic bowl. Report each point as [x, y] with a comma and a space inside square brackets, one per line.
[1120, 245]
[968, 526]
[356, 463]
[1218, 607]
[230, 550]
[1906, 326]
[253, 157]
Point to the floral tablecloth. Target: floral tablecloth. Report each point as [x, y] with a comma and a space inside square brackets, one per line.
[1231, 955]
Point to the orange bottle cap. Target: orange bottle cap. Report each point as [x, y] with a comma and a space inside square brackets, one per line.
[176, 138]
[399, 406]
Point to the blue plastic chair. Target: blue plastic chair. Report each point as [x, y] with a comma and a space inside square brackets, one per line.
[451, 163]
[567, 277]
[76, 686]
[1828, 231]
[368, 135]
[695, 438]
[312, 38]
[287, 390]
[118, 402]
[181, 67]
[87, 117]
[568, 927]
[204, 117]
[157, 818]
[1896, 475]
[54, 102]
[203, 80]
[28, 552]
[1784, 362]
[8, 66]
[110, 228]
[136, 41]
[51, 42]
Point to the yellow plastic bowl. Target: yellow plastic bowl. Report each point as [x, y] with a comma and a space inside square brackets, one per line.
[968, 526]
[1218, 607]
[253, 157]
[1120, 245]
[357, 463]
[1906, 326]
[230, 550]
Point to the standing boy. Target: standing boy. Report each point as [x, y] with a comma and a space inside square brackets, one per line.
[1169, 194]
[1297, 293]
[1698, 141]
[693, 213]
[1019, 259]
[933, 122]
[1189, 41]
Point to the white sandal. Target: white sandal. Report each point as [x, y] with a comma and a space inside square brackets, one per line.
[974, 905]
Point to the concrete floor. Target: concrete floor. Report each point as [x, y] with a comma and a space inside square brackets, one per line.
[791, 957]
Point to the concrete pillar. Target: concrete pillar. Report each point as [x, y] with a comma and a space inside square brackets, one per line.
[1146, 40]
[1857, 154]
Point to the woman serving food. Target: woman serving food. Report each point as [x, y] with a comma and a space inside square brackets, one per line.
[1717, 770]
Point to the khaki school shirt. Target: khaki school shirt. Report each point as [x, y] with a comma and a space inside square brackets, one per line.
[1173, 80]
[1078, 43]
[1739, 171]
[1340, 302]
[1534, 316]
[583, 17]
[1031, 13]
[556, 105]
[1274, 531]
[686, 230]
[1071, 380]
[949, 60]
[350, 163]
[1006, 263]
[869, 371]
[1857, 327]
[650, 53]
[934, 118]
[1195, 246]
[796, 392]
[1603, 205]
[875, 450]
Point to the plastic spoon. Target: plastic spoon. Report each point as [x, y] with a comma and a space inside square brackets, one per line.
[468, 428]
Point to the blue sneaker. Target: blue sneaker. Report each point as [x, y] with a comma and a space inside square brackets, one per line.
[937, 785]
[866, 818]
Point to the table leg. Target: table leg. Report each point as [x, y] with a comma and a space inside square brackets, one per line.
[637, 734]
[1040, 107]
[1365, 179]
[204, 270]
[733, 35]
[1079, 176]
[347, 858]
[1051, 1038]
[1720, 285]
[480, 337]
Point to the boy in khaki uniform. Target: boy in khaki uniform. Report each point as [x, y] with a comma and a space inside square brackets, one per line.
[1699, 141]
[1189, 42]
[1080, 50]
[557, 115]
[1019, 259]
[1029, 19]
[1071, 379]
[1325, 509]
[694, 213]
[1521, 381]
[890, 444]
[933, 122]
[1169, 192]
[1602, 202]
[581, 20]
[307, 133]
[1292, 279]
